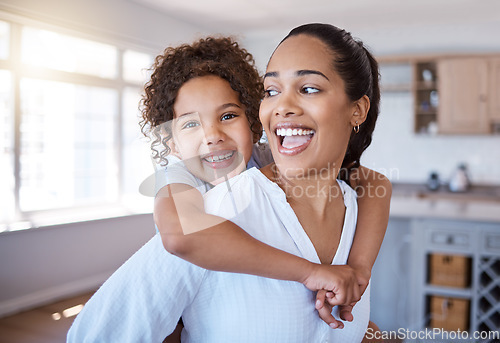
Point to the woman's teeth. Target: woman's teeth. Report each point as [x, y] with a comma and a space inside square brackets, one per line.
[218, 158]
[294, 132]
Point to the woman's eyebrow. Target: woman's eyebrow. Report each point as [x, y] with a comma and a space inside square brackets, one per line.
[309, 72]
[301, 72]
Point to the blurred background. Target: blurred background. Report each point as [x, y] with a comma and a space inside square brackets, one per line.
[72, 155]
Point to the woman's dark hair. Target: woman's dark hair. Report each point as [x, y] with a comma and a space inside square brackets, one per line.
[359, 71]
[222, 57]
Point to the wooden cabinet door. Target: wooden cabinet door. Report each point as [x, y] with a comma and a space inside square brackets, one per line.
[463, 94]
[494, 96]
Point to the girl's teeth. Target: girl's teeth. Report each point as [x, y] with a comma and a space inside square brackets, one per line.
[218, 158]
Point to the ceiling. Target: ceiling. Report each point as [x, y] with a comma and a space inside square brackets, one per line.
[259, 17]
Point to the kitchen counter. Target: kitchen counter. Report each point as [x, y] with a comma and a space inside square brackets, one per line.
[479, 203]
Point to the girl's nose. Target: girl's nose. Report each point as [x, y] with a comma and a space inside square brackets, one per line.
[213, 134]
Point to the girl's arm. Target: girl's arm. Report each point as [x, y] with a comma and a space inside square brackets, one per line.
[215, 243]
[374, 197]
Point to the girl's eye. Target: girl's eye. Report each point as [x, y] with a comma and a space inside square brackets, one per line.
[310, 90]
[270, 92]
[227, 116]
[190, 124]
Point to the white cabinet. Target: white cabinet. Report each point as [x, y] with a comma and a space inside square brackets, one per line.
[477, 301]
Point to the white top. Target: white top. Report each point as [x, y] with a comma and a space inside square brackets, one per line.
[143, 300]
[177, 172]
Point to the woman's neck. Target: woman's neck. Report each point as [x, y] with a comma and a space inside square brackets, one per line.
[316, 191]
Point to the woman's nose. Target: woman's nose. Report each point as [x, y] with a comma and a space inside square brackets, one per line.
[287, 105]
[213, 134]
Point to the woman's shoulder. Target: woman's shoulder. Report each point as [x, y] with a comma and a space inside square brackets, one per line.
[261, 155]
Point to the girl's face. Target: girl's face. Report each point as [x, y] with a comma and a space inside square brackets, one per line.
[210, 130]
[306, 113]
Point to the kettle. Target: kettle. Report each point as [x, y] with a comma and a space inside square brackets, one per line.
[459, 181]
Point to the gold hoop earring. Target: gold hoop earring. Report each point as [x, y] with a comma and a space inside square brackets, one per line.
[356, 128]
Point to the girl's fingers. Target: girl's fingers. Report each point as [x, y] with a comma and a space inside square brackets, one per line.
[345, 313]
[320, 298]
[325, 313]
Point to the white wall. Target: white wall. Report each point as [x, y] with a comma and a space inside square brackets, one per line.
[45, 264]
[109, 19]
[407, 157]
[41, 265]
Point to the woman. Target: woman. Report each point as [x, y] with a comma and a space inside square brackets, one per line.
[309, 114]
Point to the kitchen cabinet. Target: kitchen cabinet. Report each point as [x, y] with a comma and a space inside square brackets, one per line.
[426, 95]
[453, 94]
[494, 90]
[390, 283]
[470, 302]
[463, 96]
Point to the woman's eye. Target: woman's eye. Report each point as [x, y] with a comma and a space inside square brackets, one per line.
[190, 124]
[270, 92]
[227, 116]
[310, 90]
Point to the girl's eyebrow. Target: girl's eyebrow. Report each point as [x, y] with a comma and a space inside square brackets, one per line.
[298, 73]
[229, 104]
[271, 74]
[186, 114]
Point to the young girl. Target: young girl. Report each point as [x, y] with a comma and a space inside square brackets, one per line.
[217, 142]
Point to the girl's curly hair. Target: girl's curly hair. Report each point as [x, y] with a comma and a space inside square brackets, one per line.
[222, 57]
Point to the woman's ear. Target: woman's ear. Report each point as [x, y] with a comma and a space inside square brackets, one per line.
[361, 108]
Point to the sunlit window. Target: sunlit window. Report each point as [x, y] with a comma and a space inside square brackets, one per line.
[70, 140]
[60, 52]
[67, 145]
[131, 61]
[137, 164]
[4, 40]
[6, 148]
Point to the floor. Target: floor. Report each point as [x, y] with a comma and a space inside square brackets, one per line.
[46, 324]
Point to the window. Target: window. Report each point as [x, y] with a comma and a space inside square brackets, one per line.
[4, 40]
[76, 145]
[7, 200]
[60, 52]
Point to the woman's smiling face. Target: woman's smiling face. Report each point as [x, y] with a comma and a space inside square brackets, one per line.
[306, 113]
[210, 130]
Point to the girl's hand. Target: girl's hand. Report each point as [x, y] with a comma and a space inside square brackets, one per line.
[325, 310]
[345, 311]
[340, 280]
